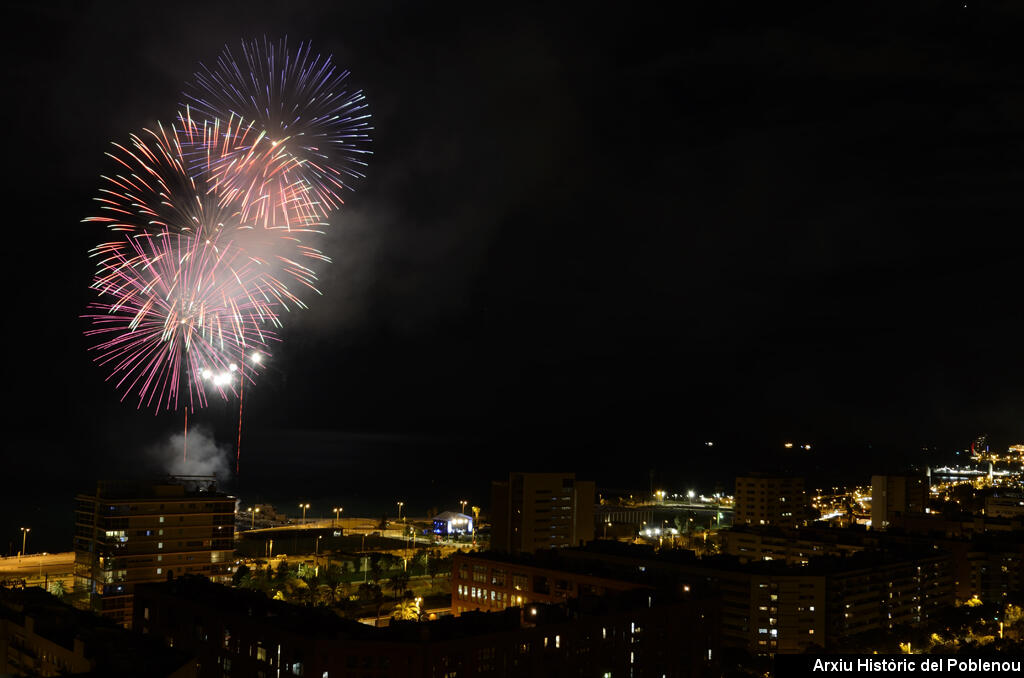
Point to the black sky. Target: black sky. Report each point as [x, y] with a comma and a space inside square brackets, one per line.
[591, 234]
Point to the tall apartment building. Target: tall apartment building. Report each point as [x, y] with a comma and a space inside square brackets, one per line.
[897, 496]
[763, 499]
[536, 511]
[133, 532]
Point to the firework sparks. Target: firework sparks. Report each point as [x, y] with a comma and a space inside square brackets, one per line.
[216, 220]
[173, 306]
[302, 104]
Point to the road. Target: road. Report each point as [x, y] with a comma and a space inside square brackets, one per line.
[38, 569]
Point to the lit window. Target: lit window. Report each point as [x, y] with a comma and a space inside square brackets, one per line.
[159, 570]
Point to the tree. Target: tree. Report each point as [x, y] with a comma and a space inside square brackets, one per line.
[438, 566]
[56, 588]
[295, 590]
[420, 559]
[399, 582]
[376, 568]
[282, 571]
[324, 595]
[434, 566]
[241, 573]
[408, 609]
[372, 593]
[390, 561]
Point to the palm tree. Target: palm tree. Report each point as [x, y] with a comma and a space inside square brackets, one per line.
[56, 588]
[372, 592]
[408, 609]
[399, 582]
[376, 568]
[324, 595]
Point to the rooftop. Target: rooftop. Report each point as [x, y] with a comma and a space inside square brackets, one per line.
[158, 488]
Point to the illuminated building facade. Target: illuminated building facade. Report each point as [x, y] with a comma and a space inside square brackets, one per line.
[133, 532]
[763, 499]
[536, 511]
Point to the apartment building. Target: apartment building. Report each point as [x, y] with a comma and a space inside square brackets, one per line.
[127, 533]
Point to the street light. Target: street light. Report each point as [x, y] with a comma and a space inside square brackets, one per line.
[253, 512]
[400, 505]
[337, 511]
[463, 502]
[24, 536]
[303, 507]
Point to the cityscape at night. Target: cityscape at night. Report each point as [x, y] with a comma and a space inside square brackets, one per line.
[374, 340]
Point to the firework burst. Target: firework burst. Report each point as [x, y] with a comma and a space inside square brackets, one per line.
[173, 310]
[303, 105]
[154, 192]
[215, 222]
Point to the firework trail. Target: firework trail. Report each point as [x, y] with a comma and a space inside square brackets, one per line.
[302, 104]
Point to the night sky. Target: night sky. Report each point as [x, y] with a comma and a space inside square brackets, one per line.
[586, 240]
